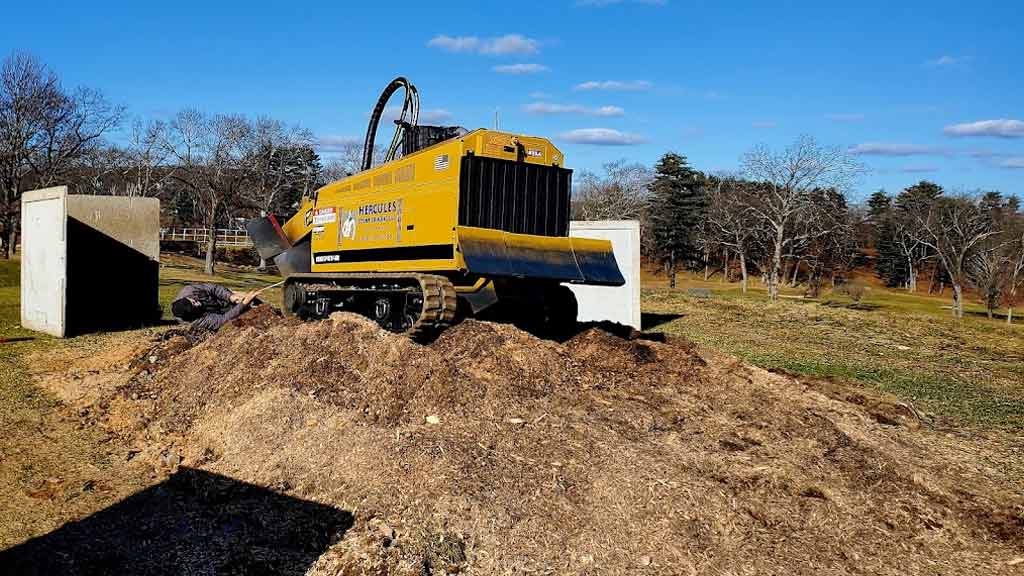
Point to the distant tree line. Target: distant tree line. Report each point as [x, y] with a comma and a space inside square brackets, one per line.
[784, 215]
[963, 240]
[209, 170]
[787, 218]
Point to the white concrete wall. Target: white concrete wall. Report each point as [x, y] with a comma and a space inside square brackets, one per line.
[43, 259]
[614, 303]
[88, 262]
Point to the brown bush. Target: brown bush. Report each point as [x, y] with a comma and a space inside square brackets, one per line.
[854, 290]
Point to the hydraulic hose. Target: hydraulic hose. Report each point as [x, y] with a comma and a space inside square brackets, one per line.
[408, 118]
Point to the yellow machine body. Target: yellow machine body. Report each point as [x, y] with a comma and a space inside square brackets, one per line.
[486, 204]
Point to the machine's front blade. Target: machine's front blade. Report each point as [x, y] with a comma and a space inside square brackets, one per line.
[597, 262]
[496, 253]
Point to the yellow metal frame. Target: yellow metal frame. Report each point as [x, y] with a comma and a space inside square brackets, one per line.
[403, 217]
[411, 202]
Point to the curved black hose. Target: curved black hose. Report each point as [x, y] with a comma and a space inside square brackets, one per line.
[409, 117]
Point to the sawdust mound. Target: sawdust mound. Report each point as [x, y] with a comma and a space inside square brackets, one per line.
[490, 451]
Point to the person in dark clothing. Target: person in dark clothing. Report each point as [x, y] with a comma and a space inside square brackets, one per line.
[210, 306]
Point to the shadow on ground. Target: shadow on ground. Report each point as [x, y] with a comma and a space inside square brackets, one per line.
[195, 522]
[862, 306]
[1001, 316]
[651, 320]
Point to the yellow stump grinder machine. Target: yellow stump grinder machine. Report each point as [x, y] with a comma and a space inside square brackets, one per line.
[451, 224]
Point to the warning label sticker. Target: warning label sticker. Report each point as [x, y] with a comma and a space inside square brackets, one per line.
[325, 216]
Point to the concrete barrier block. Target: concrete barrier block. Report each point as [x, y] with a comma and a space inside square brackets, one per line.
[88, 263]
[613, 303]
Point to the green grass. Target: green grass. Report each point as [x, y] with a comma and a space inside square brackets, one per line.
[21, 400]
[965, 372]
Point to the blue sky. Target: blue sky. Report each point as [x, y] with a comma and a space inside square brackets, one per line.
[918, 89]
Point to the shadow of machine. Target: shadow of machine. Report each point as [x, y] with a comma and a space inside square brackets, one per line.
[195, 522]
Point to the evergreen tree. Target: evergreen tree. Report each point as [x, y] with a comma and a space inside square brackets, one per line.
[879, 204]
[889, 264]
[678, 204]
[919, 196]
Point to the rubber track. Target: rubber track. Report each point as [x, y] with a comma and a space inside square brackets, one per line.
[439, 297]
[439, 304]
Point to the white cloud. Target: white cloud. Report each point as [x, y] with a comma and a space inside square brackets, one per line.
[435, 115]
[601, 137]
[986, 153]
[1015, 163]
[947, 60]
[891, 149]
[331, 143]
[391, 113]
[1002, 128]
[763, 124]
[498, 45]
[615, 85]
[455, 43]
[549, 108]
[510, 44]
[845, 117]
[521, 68]
[540, 95]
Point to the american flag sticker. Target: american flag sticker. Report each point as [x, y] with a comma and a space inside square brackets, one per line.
[441, 162]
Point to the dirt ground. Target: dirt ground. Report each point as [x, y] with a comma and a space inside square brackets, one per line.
[335, 448]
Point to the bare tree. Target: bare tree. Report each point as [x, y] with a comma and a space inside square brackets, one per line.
[731, 219]
[145, 159]
[137, 168]
[44, 131]
[788, 178]
[347, 159]
[987, 270]
[906, 227]
[214, 164]
[282, 161]
[620, 193]
[994, 267]
[98, 171]
[830, 232]
[1015, 268]
[71, 127]
[956, 228]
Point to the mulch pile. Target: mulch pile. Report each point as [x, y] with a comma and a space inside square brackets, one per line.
[493, 451]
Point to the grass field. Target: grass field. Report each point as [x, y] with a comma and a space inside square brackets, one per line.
[964, 372]
[967, 372]
[24, 402]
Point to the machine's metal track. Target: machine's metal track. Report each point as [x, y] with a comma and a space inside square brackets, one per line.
[427, 301]
[439, 304]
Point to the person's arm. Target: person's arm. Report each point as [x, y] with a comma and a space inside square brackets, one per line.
[222, 292]
[213, 322]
